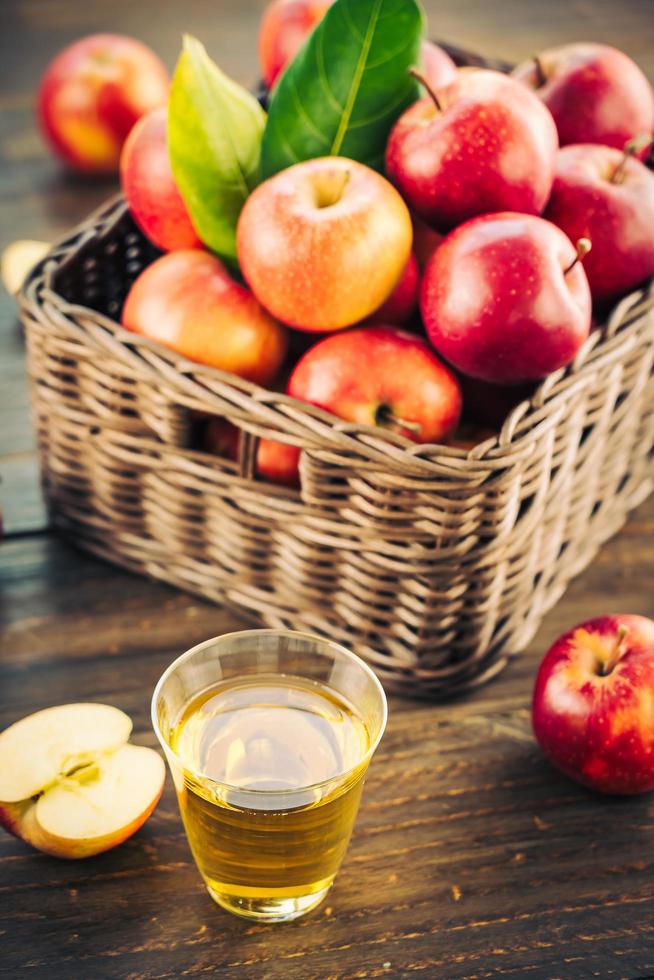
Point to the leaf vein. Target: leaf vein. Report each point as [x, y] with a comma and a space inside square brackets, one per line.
[356, 81]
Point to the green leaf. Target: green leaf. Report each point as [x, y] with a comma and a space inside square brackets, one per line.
[347, 86]
[214, 140]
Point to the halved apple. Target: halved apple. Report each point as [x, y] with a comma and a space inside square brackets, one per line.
[71, 785]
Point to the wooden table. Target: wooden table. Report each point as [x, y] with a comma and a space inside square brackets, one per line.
[471, 857]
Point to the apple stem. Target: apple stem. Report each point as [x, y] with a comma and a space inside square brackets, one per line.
[427, 87]
[541, 77]
[617, 651]
[584, 246]
[631, 148]
[386, 417]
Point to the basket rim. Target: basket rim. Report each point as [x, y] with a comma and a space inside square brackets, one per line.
[295, 422]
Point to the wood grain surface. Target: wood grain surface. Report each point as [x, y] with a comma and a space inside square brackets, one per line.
[471, 857]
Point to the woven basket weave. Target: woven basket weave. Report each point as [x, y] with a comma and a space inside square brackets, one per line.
[431, 562]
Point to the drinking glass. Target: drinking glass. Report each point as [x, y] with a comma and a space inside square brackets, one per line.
[269, 849]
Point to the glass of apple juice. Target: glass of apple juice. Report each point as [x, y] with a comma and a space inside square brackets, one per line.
[268, 735]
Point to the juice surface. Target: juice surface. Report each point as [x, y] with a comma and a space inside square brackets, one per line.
[270, 732]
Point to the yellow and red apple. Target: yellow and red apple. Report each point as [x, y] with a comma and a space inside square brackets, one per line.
[187, 301]
[70, 783]
[324, 243]
[91, 95]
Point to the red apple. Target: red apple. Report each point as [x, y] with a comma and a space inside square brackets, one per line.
[285, 26]
[606, 196]
[149, 186]
[91, 95]
[275, 461]
[483, 143]
[323, 244]
[437, 66]
[504, 299]
[71, 785]
[593, 705]
[186, 300]
[425, 241]
[596, 93]
[381, 376]
[402, 302]
[278, 462]
[489, 404]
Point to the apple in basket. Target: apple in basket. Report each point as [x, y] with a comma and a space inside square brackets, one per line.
[505, 298]
[286, 24]
[595, 93]
[593, 704]
[187, 301]
[483, 143]
[607, 196]
[284, 27]
[275, 461]
[375, 375]
[91, 95]
[402, 303]
[379, 375]
[71, 784]
[324, 243]
[149, 187]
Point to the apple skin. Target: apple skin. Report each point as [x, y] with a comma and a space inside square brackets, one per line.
[278, 462]
[324, 243]
[496, 303]
[437, 66]
[149, 187]
[275, 461]
[425, 241]
[488, 404]
[366, 373]
[595, 93]
[487, 149]
[597, 729]
[401, 304]
[618, 218]
[285, 26]
[91, 95]
[187, 301]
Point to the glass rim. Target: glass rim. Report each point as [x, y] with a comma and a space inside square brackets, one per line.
[363, 762]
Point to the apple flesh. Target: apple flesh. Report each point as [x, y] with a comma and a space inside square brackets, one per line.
[187, 301]
[285, 26]
[483, 143]
[381, 376]
[595, 93]
[593, 704]
[503, 298]
[71, 785]
[149, 187]
[91, 95]
[324, 243]
[600, 194]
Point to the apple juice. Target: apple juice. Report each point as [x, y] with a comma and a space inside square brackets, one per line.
[273, 767]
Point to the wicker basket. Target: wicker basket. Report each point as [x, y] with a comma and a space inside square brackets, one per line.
[431, 562]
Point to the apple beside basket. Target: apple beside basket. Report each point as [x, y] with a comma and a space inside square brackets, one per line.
[434, 563]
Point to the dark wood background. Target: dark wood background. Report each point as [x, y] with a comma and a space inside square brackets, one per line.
[471, 857]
